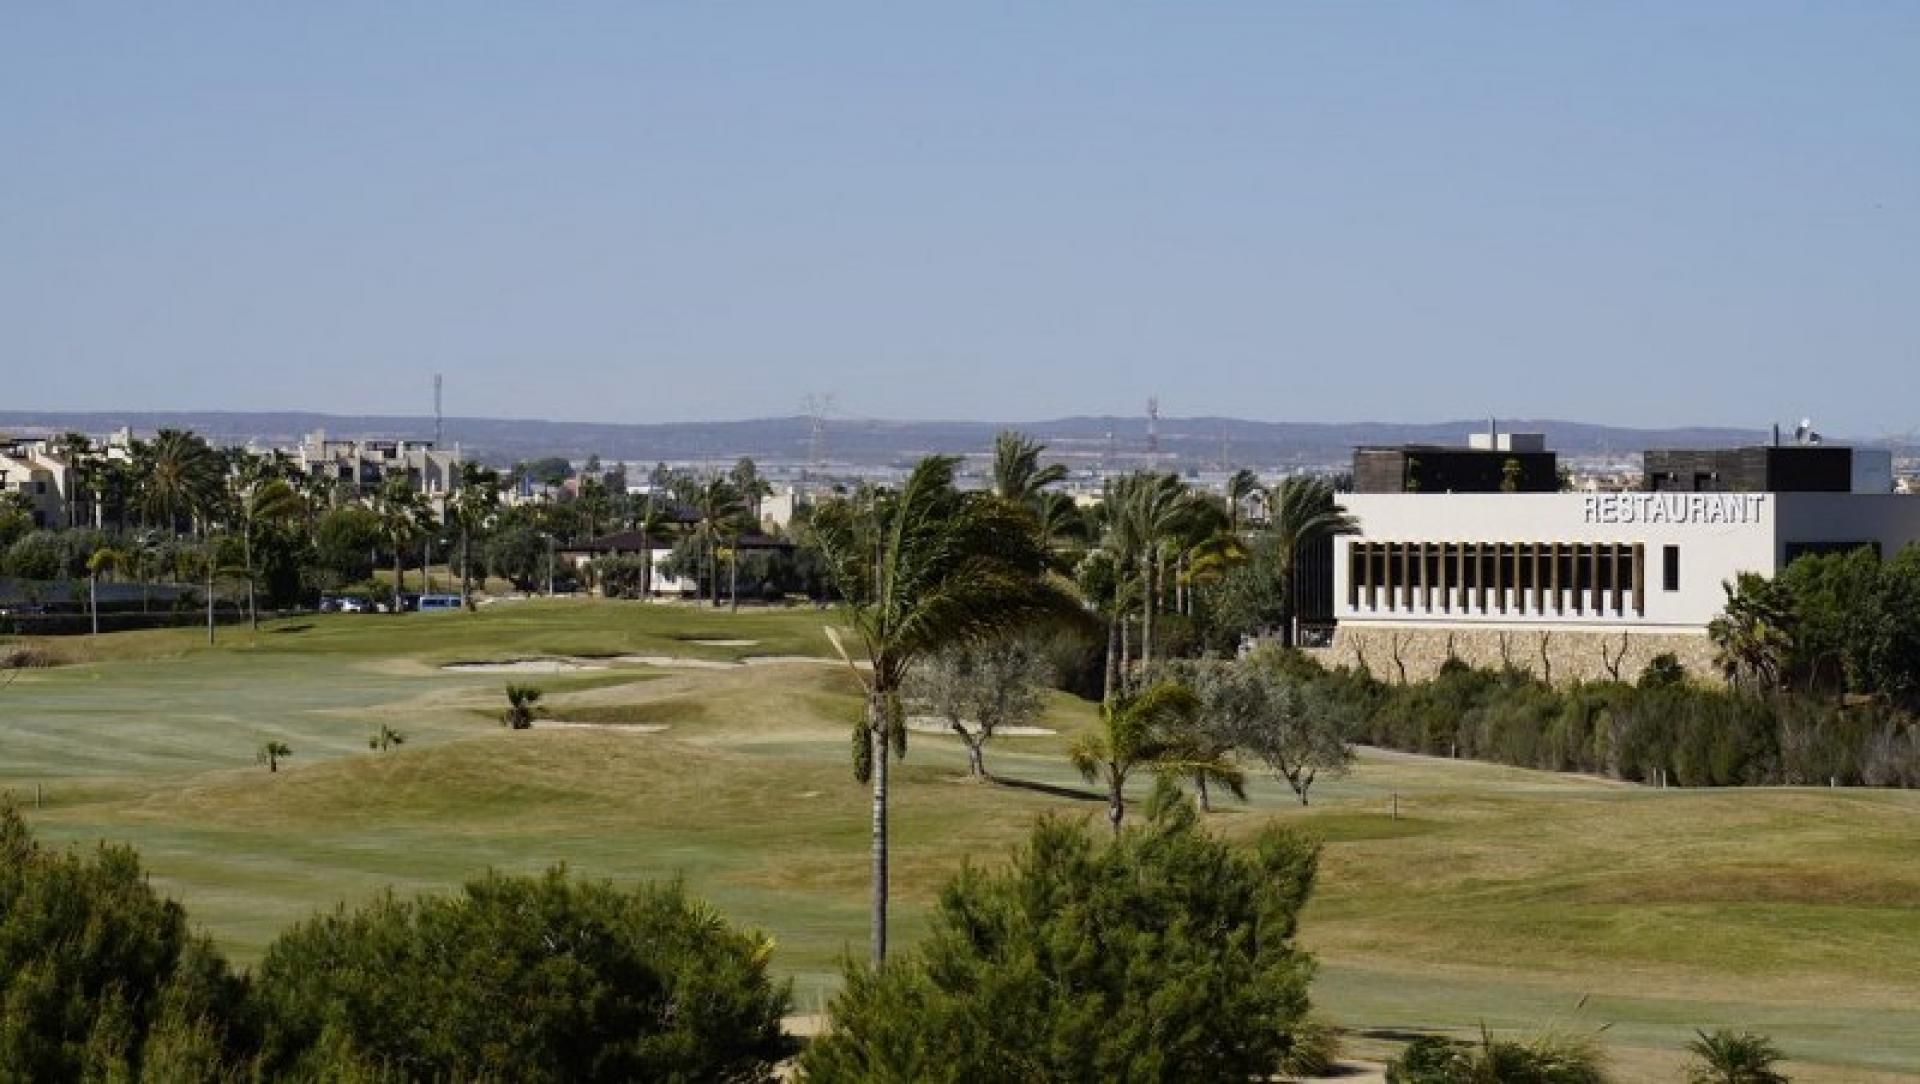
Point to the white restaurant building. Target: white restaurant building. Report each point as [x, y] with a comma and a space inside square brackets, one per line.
[1590, 584]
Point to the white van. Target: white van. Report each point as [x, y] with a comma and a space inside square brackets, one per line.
[430, 603]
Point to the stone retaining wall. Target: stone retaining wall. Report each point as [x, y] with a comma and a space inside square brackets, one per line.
[1558, 655]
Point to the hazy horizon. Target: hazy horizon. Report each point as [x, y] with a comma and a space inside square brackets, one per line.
[1629, 215]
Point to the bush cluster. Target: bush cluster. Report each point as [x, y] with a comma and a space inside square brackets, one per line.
[1166, 954]
[1662, 728]
[516, 978]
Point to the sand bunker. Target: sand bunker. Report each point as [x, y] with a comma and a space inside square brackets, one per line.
[625, 728]
[676, 660]
[522, 666]
[929, 724]
[725, 643]
[781, 660]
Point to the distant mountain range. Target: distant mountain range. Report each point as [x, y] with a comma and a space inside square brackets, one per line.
[1204, 441]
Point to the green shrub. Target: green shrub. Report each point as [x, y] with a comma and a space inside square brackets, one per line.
[99, 978]
[1314, 1051]
[1734, 1057]
[525, 979]
[1546, 1059]
[1663, 671]
[1163, 955]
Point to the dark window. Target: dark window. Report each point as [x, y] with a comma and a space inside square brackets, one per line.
[1670, 568]
[1797, 550]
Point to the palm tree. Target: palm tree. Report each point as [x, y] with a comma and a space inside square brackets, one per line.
[89, 472]
[106, 559]
[146, 559]
[1017, 473]
[404, 516]
[272, 753]
[264, 500]
[180, 478]
[1203, 546]
[594, 505]
[1146, 730]
[1212, 552]
[475, 499]
[1242, 485]
[1301, 511]
[1734, 1057]
[210, 563]
[1063, 526]
[1753, 636]
[117, 489]
[523, 702]
[720, 509]
[1155, 510]
[751, 486]
[923, 569]
[387, 738]
[652, 523]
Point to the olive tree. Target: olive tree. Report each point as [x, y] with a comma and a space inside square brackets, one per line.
[978, 690]
[1298, 731]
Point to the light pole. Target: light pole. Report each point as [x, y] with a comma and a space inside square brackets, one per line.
[549, 538]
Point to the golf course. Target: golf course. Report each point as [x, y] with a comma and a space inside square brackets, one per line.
[713, 747]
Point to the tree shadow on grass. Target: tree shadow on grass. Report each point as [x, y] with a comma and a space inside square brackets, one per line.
[1056, 790]
[284, 630]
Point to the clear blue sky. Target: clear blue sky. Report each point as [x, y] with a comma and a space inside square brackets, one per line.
[1636, 213]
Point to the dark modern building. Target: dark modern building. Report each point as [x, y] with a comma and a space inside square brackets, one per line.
[1438, 468]
[1786, 468]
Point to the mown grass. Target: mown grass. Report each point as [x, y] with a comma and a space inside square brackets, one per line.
[1497, 895]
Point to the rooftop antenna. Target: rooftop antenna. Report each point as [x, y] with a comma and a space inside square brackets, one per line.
[818, 406]
[439, 424]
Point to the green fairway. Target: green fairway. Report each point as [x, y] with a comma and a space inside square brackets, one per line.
[1498, 895]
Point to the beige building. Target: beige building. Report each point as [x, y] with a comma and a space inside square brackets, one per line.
[365, 465]
[32, 469]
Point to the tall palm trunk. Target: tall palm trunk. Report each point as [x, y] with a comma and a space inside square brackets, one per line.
[646, 565]
[1126, 654]
[209, 595]
[1147, 606]
[733, 578]
[246, 550]
[1290, 604]
[466, 569]
[399, 576]
[93, 600]
[877, 723]
[1112, 688]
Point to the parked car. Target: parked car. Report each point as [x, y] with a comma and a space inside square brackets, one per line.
[352, 606]
[442, 603]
